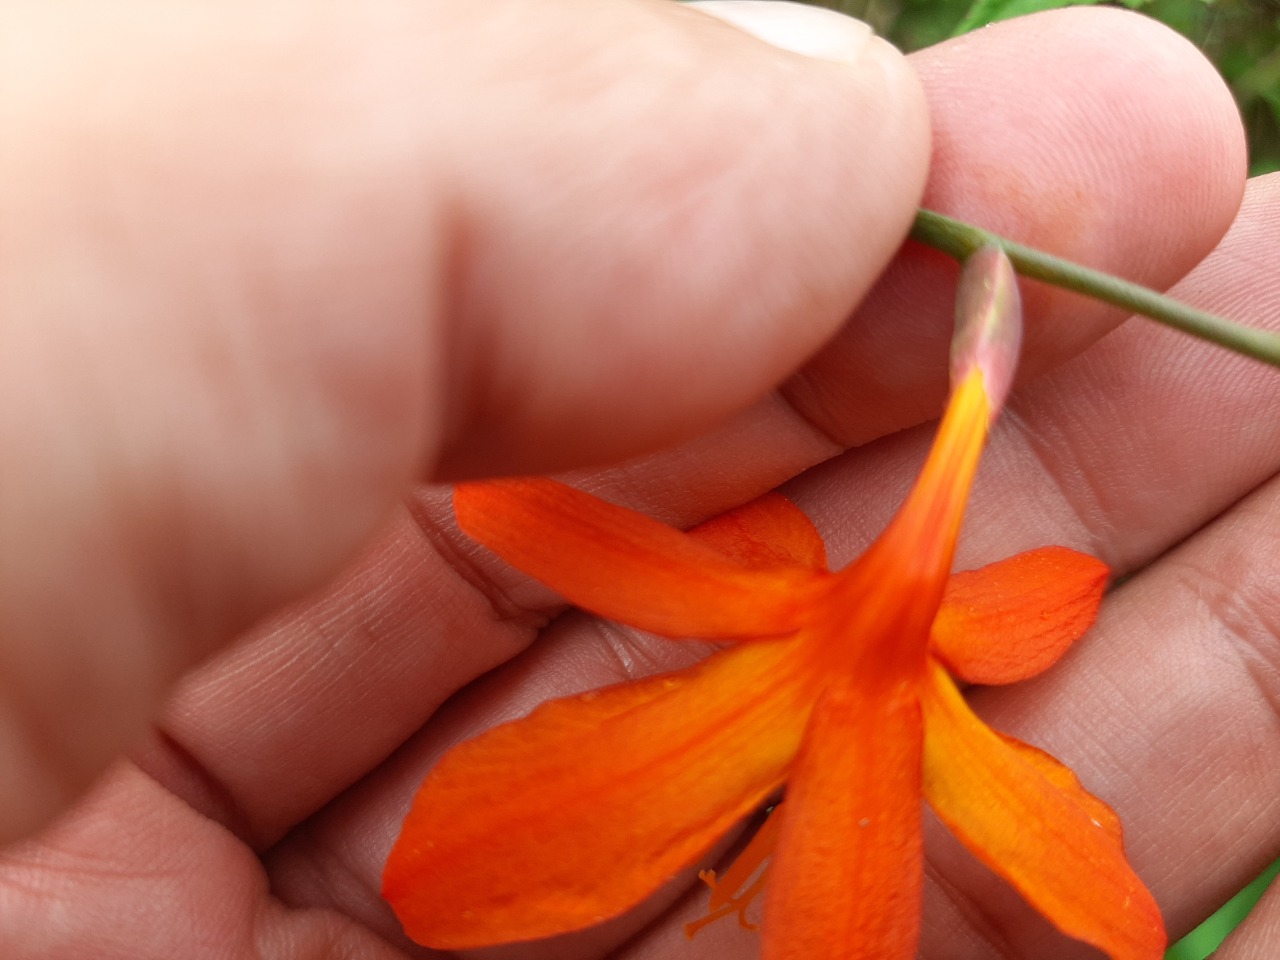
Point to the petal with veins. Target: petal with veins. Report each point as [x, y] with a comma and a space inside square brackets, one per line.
[585, 807]
[846, 877]
[1028, 819]
[1014, 618]
[624, 566]
[770, 531]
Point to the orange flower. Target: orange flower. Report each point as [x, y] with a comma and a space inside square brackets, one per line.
[837, 687]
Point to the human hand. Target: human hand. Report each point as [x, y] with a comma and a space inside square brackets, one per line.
[267, 266]
[245, 778]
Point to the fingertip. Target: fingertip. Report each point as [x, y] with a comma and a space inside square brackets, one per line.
[712, 230]
[1153, 128]
[1098, 135]
[1106, 166]
[256, 300]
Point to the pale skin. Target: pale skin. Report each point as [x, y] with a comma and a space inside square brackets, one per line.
[261, 282]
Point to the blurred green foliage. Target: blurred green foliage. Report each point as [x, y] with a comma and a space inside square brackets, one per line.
[1242, 37]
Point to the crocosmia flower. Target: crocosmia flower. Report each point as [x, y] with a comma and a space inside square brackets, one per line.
[834, 689]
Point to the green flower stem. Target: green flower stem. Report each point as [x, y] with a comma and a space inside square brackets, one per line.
[959, 239]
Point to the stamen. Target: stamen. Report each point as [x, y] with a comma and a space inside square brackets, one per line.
[727, 893]
[736, 905]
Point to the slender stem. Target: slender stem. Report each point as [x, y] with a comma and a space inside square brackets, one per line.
[959, 239]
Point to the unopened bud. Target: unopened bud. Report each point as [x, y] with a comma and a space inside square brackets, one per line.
[988, 323]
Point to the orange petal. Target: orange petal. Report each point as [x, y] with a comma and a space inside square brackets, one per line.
[585, 807]
[1012, 619]
[770, 531]
[984, 355]
[846, 878]
[1028, 819]
[922, 536]
[903, 575]
[894, 589]
[628, 567]
[1064, 778]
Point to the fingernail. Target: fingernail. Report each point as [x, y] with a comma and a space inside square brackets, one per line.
[812, 31]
